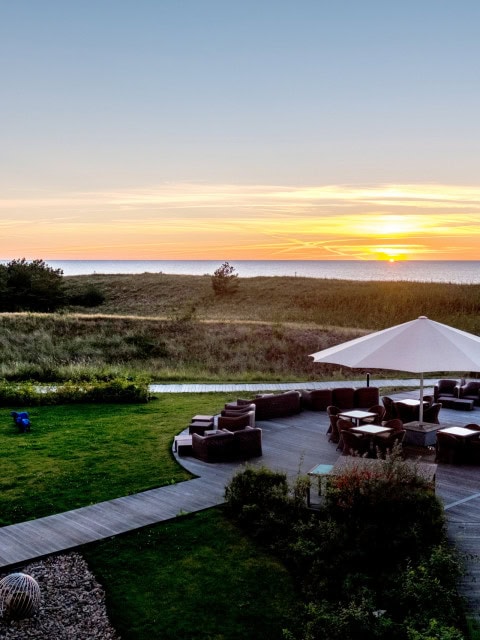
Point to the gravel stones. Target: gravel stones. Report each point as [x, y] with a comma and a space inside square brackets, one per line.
[72, 604]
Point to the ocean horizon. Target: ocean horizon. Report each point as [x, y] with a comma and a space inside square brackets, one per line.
[455, 271]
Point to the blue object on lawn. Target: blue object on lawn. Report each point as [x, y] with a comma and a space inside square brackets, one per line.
[22, 420]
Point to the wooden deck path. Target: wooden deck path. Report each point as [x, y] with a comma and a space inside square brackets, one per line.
[293, 445]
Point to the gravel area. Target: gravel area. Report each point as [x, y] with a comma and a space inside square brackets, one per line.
[72, 603]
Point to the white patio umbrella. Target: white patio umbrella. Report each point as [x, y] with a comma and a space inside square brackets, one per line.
[418, 346]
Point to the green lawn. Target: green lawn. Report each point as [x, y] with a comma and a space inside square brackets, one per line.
[194, 578]
[77, 455]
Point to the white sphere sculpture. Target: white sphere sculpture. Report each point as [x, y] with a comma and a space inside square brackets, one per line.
[19, 596]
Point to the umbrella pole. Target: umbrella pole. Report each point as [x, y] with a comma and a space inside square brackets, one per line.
[420, 412]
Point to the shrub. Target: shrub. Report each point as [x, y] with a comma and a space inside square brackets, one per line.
[258, 499]
[90, 296]
[225, 280]
[30, 286]
[119, 391]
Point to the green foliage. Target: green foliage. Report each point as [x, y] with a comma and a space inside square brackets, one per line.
[372, 562]
[435, 631]
[258, 498]
[118, 391]
[225, 280]
[89, 296]
[30, 286]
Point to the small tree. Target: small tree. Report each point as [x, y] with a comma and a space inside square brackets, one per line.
[30, 286]
[225, 280]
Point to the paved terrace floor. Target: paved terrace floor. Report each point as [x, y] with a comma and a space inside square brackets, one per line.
[292, 445]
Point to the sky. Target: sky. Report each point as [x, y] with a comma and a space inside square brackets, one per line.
[227, 130]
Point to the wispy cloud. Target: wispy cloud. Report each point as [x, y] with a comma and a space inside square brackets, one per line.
[246, 221]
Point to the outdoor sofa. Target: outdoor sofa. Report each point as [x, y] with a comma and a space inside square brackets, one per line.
[274, 405]
[344, 398]
[225, 445]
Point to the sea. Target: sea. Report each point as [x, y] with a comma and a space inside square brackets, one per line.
[458, 271]
[453, 271]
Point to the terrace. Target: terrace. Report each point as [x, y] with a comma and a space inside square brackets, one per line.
[293, 445]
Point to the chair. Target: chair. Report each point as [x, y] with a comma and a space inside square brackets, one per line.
[344, 397]
[384, 445]
[232, 408]
[235, 423]
[380, 410]
[406, 412]
[366, 397]
[354, 444]
[390, 409]
[473, 426]
[448, 448]
[470, 391]
[395, 424]
[431, 413]
[332, 431]
[317, 399]
[446, 388]
[343, 425]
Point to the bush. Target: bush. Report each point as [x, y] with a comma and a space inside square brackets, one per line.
[30, 286]
[258, 499]
[372, 563]
[90, 296]
[225, 280]
[119, 391]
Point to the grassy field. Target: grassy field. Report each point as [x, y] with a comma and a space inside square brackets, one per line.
[77, 455]
[174, 329]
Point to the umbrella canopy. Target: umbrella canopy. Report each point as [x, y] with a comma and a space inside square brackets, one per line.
[417, 346]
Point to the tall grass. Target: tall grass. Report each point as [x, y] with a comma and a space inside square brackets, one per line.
[173, 327]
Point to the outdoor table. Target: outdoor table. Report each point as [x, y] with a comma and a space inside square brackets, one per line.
[356, 415]
[410, 402]
[461, 432]
[319, 471]
[371, 430]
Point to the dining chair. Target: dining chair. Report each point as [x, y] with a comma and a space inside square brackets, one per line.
[380, 410]
[431, 413]
[386, 444]
[343, 425]
[390, 410]
[354, 444]
[448, 448]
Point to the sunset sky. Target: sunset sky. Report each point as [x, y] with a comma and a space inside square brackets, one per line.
[227, 130]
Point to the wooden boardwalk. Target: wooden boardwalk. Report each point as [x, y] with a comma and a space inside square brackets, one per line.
[293, 445]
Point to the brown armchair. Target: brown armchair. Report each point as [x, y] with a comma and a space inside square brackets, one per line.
[446, 388]
[217, 447]
[234, 423]
[470, 391]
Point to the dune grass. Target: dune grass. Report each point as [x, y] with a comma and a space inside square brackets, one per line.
[77, 455]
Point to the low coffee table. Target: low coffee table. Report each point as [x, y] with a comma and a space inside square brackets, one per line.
[183, 445]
